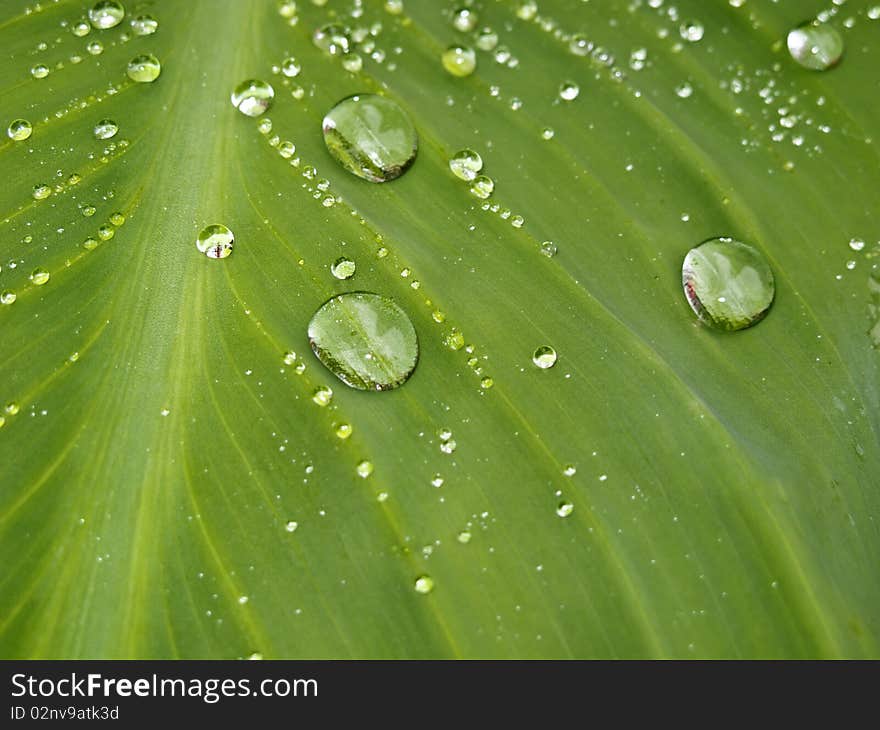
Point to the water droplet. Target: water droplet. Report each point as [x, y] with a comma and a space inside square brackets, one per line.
[464, 19]
[527, 10]
[19, 130]
[252, 97]
[364, 468]
[40, 71]
[81, 28]
[728, 284]
[814, 45]
[549, 249]
[487, 39]
[564, 509]
[105, 233]
[215, 241]
[448, 446]
[105, 129]
[106, 14]
[332, 38]
[874, 12]
[12, 408]
[41, 191]
[459, 60]
[7, 297]
[544, 357]
[95, 48]
[465, 164]
[352, 62]
[424, 584]
[290, 67]
[684, 90]
[144, 68]
[322, 395]
[144, 25]
[343, 431]
[569, 90]
[39, 276]
[343, 268]
[365, 340]
[857, 244]
[691, 31]
[464, 537]
[371, 136]
[486, 383]
[117, 219]
[482, 186]
[580, 45]
[291, 526]
[569, 470]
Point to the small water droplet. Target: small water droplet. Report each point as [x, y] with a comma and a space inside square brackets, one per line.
[290, 67]
[569, 90]
[106, 14]
[291, 526]
[343, 268]
[580, 45]
[527, 10]
[371, 136]
[332, 38]
[41, 191]
[564, 509]
[40, 71]
[322, 396]
[684, 90]
[856, 244]
[424, 584]
[39, 276]
[144, 25]
[486, 39]
[482, 186]
[464, 19]
[814, 45]
[365, 340]
[144, 68]
[544, 357]
[459, 60]
[12, 408]
[19, 130]
[569, 470]
[352, 62]
[465, 164]
[691, 31]
[215, 241]
[364, 468]
[343, 431]
[252, 97]
[464, 537]
[81, 28]
[95, 48]
[728, 284]
[105, 129]
[549, 249]
[7, 297]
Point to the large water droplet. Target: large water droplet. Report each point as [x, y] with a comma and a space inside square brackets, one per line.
[215, 241]
[371, 136]
[39, 276]
[19, 130]
[106, 14]
[424, 584]
[544, 357]
[465, 164]
[569, 91]
[482, 186]
[105, 129]
[816, 46]
[144, 68]
[252, 97]
[728, 283]
[366, 340]
[459, 60]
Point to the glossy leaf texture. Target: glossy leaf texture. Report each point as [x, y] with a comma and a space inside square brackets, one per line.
[170, 488]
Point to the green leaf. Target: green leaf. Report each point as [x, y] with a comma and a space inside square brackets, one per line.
[169, 487]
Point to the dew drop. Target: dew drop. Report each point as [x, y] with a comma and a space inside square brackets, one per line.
[12, 408]
[487, 39]
[814, 45]
[527, 10]
[144, 68]
[352, 62]
[568, 91]
[691, 31]
[40, 71]
[564, 509]
[424, 584]
[464, 537]
[549, 249]
[105, 129]
[106, 14]
[482, 187]
[291, 526]
[41, 191]
[364, 468]
[459, 60]
[290, 67]
[465, 164]
[856, 244]
[580, 45]
[371, 136]
[365, 340]
[144, 25]
[343, 431]
[332, 38]
[215, 241]
[252, 97]
[81, 28]
[343, 268]
[39, 276]
[7, 297]
[95, 48]
[728, 284]
[544, 357]
[19, 130]
[322, 396]
[684, 90]
[464, 19]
